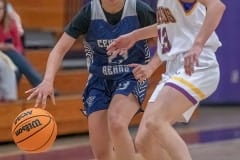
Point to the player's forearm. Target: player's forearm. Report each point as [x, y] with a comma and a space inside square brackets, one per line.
[155, 62]
[215, 10]
[145, 33]
[56, 56]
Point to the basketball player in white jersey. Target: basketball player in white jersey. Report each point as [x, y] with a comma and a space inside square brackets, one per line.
[187, 42]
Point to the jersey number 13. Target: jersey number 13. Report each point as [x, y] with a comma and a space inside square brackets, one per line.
[164, 41]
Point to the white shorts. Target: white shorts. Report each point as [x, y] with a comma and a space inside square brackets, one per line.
[201, 84]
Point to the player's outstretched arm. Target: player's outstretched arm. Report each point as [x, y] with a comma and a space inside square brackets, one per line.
[45, 88]
[143, 72]
[126, 41]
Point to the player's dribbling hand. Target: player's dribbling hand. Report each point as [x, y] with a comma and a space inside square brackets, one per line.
[141, 72]
[41, 92]
[191, 59]
[121, 45]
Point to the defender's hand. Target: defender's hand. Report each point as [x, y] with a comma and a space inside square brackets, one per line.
[121, 45]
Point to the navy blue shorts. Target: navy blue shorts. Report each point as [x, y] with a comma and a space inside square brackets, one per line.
[99, 91]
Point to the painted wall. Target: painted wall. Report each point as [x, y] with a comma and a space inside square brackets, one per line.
[228, 91]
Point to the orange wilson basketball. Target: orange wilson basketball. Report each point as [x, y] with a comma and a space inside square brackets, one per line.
[34, 130]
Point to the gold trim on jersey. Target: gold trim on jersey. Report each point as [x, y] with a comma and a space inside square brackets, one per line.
[191, 86]
[189, 12]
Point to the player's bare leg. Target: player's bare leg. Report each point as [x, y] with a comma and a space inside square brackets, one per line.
[100, 141]
[143, 141]
[121, 111]
[156, 125]
[138, 156]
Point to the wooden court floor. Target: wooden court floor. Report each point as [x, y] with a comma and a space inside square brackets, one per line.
[213, 135]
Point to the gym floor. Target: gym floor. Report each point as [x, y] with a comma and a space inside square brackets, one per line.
[213, 134]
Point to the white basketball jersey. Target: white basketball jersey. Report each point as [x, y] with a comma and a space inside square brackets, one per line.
[178, 28]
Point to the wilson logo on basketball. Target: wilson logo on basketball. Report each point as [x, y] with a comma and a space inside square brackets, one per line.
[34, 130]
[34, 124]
[22, 116]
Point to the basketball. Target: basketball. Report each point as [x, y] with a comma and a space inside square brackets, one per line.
[34, 130]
